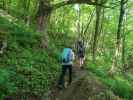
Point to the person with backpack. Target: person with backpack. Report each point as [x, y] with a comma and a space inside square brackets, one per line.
[67, 58]
[80, 52]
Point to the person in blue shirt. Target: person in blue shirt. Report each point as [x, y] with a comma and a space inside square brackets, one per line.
[67, 58]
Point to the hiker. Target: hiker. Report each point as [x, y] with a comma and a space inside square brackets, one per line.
[80, 53]
[67, 58]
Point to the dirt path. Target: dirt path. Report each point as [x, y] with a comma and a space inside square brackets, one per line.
[55, 92]
[85, 86]
[77, 75]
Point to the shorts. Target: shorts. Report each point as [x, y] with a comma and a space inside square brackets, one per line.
[80, 55]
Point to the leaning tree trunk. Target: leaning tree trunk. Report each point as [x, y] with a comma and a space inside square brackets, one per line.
[117, 51]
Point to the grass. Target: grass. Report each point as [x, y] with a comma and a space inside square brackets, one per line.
[118, 84]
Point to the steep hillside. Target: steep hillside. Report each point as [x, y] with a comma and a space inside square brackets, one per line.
[25, 68]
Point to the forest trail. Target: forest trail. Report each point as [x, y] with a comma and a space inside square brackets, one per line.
[85, 86]
[55, 93]
[34, 32]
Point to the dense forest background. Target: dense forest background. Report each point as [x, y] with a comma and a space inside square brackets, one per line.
[35, 31]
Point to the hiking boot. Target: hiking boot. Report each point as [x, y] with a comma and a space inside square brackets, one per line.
[82, 68]
[60, 87]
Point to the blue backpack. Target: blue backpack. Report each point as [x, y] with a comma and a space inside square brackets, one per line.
[67, 55]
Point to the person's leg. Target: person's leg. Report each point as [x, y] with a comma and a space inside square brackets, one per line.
[70, 74]
[80, 62]
[61, 80]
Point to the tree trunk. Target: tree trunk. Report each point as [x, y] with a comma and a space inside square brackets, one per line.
[94, 46]
[78, 22]
[43, 15]
[117, 51]
[123, 51]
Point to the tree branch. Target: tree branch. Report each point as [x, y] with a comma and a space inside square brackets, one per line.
[68, 2]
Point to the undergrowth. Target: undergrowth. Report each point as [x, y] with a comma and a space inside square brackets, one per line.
[119, 84]
[25, 67]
